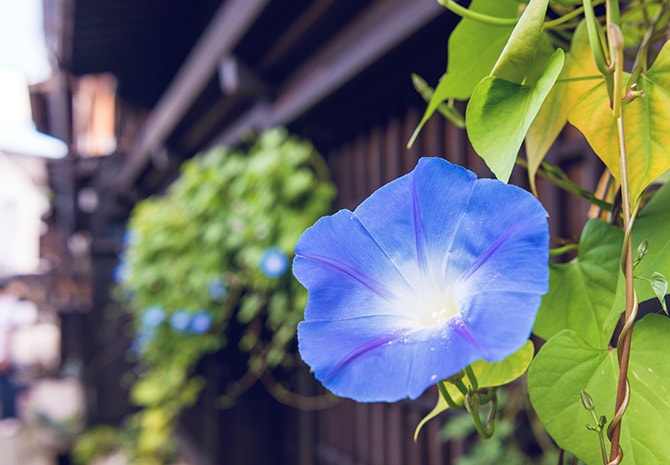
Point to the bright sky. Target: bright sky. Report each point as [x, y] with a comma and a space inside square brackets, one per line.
[22, 46]
[23, 60]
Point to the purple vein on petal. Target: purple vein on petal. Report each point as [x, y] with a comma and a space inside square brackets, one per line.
[419, 237]
[346, 270]
[454, 233]
[364, 349]
[484, 257]
[382, 249]
[459, 326]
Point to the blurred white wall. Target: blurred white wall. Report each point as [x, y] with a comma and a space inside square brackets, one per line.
[22, 203]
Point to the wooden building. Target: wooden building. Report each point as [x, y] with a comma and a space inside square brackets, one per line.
[142, 85]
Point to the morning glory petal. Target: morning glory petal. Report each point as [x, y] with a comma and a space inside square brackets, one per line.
[413, 213]
[354, 275]
[432, 272]
[485, 224]
[500, 322]
[384, 361]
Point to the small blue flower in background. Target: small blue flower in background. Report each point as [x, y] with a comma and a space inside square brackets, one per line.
[180, 320]
[201, 321]
[217, 290]
[432, 272]
[142, 339]
[274, 263]
[153, 316]
[120, 272]
[130, 237]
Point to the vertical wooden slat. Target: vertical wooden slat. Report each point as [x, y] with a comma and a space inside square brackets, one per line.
[377, 436]
[394, 439]
[349, 429]
[360, 154]
[347, 187]
[392, 147]
[362, 433]
[413, 450]
[411, 155]
[432, 138]
[434, 448]
[455, 143]
[375, 159]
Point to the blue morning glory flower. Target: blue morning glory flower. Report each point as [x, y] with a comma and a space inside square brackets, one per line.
[120, 272]
[432, 272]
[201, 321]
[142, 339]
[274, 263]
[217, 290]
[130, 237]
[180, 320]
[153, 316]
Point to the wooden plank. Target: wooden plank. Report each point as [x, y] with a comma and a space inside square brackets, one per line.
[362, 433]
[410, 155]
[377, 434]
[434, 446]
[393, 151]
[229, 24]
[383, 26]
[413, 450]
[375, 157]
[394, 435]
[295, 33]
[359, 172]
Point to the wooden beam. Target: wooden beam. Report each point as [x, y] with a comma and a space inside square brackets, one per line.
[377, 31]
[229, 24]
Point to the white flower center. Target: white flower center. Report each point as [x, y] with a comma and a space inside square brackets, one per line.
[437, 307]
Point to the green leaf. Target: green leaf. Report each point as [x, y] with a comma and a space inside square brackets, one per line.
[578, 75]
[582, 292]
[646, 127]
[500, 112]
[488, 374]
[473, 49]
[519, 53]
[567, 364]
[653, 225]
[660, 287]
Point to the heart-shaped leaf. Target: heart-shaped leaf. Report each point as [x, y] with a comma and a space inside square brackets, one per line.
[582, 292]
[653, 225]
[567, 364]
[519, 53]
[646, 127]
[500, 112]
[578, 76]
[473, 49]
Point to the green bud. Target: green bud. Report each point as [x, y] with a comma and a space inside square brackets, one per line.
[587, 401]
[472, 402]
[642, 249]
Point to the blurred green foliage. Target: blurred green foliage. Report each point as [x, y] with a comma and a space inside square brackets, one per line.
[199, 249]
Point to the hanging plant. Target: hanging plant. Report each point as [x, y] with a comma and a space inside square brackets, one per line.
[216, 249]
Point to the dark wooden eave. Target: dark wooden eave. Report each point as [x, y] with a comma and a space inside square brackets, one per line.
[317, 66]
[371, 34]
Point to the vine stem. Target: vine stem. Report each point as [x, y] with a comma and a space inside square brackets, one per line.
[624, 340]
[460, 10]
